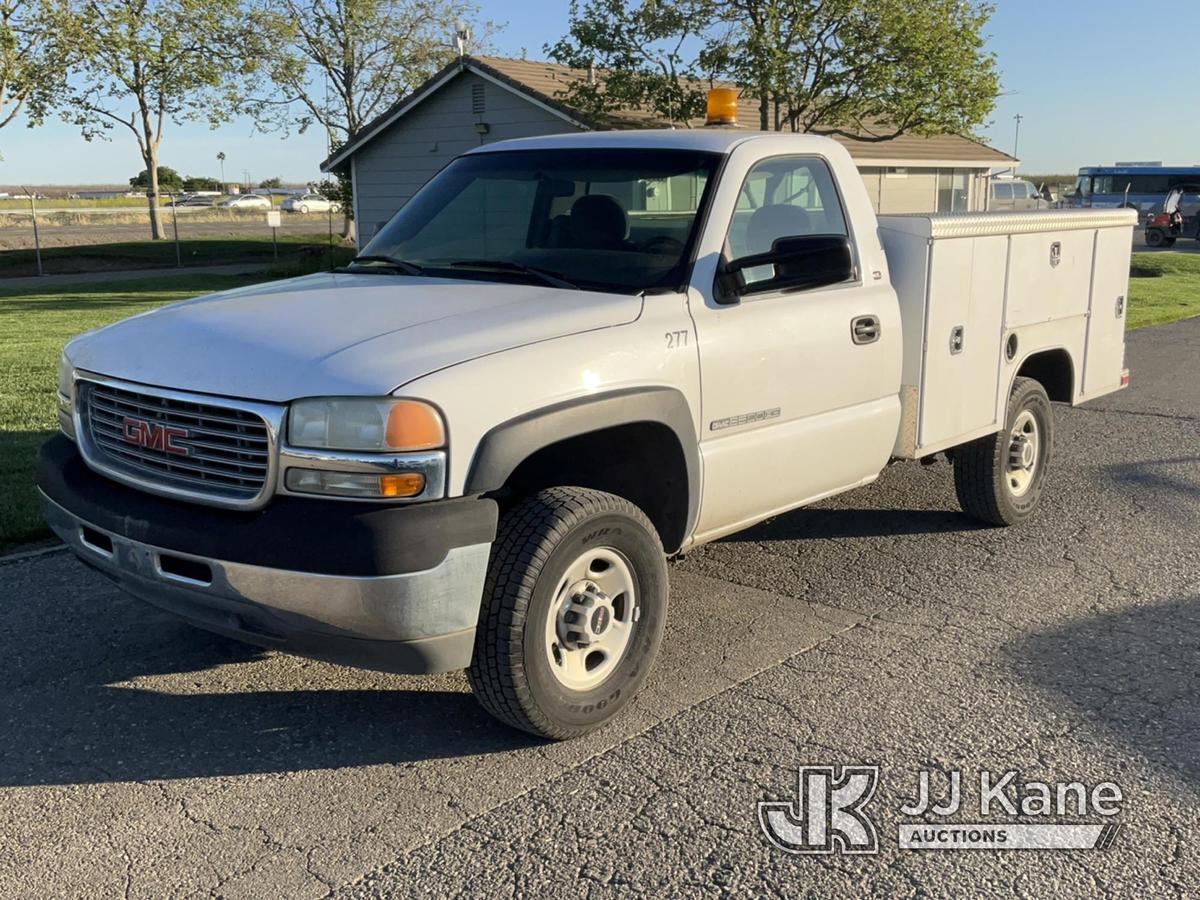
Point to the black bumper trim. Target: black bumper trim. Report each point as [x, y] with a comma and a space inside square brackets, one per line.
[329, 537]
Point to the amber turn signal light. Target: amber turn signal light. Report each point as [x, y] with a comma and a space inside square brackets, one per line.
[407, 485]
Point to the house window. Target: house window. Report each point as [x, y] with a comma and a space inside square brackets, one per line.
[953, 190]
[478, 105]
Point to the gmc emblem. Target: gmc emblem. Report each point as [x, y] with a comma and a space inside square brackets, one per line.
[162, 438]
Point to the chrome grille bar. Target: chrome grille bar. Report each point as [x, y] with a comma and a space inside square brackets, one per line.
[220, 452]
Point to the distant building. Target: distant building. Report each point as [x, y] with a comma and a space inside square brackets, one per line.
[480, 99]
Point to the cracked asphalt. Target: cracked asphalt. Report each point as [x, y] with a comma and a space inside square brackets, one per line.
[141, 758]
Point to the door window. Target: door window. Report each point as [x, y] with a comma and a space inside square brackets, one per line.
[786, 196]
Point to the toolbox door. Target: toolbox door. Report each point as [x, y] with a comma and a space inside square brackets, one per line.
[1104, 358]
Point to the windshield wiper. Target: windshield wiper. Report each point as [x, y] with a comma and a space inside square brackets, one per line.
[391, 263]
[503, 265]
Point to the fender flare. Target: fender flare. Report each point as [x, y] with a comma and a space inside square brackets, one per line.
[1041, 351]
[508, 444]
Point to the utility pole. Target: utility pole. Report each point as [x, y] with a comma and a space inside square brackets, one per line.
[1017, 137]
[221, 160]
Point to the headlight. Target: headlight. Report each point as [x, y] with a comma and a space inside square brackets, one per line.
[66, 396]
[366, 425]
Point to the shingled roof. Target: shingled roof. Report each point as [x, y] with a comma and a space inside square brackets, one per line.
[546, 84]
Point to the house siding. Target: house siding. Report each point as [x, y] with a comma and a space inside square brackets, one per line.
[389, 169]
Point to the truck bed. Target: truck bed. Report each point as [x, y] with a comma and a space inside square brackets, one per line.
[981, 293]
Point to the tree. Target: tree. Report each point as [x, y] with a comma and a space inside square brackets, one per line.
[641, 54]
[275, 182]
[871, 69]
[31, 58]
[167, 178]
[340, 63]
[201, 183]
[144, 63]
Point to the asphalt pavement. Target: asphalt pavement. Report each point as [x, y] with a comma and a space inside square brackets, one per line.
[141, 758]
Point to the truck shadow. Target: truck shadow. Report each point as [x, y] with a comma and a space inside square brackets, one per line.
[1178, 475]
[1132, 674]
[71, 715]
[823, 524]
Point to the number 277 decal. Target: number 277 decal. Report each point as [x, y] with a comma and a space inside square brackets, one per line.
[676, 339]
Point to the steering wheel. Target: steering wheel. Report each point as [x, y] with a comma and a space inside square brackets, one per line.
[663, 245]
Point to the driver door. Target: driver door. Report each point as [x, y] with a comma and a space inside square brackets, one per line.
[799, 388]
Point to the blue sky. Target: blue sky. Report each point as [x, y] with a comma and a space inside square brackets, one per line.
[1091, 78]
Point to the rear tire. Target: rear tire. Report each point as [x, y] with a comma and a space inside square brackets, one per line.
[999, 478]
[561, 556]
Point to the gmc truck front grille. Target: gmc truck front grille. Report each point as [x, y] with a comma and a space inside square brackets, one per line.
[174, 446]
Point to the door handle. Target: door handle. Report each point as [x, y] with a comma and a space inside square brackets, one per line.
[864, 329]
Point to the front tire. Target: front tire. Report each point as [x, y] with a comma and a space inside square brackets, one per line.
[573, 612]
[1155, 237]
[999, 478]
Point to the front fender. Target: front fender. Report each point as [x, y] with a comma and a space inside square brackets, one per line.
[506, 445]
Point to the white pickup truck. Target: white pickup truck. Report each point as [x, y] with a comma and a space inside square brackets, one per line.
[564, 361]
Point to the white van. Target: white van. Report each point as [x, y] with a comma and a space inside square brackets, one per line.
[1014, 193]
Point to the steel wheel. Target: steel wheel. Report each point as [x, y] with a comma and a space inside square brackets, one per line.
[592, 619]
[1023, 453]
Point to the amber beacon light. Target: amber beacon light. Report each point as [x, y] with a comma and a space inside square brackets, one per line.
[722, 107]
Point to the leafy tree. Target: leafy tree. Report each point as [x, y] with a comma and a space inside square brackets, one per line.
[275, 182]
[167, 178]
[31, 58]
[340, 63]
[872, 69]
[144, 63]
[201, 183]
[643, 55]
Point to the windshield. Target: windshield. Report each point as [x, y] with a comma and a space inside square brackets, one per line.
[621, 220]
[1083, 186]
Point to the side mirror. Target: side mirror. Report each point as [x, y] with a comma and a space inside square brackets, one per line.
[807, 261]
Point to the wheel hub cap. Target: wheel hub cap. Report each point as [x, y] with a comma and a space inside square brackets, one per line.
[1022, 453]
[592, 619]
[585, 616]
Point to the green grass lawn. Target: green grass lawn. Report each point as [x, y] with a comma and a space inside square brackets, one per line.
[36, 323]
[200, 251]
[1165, 288]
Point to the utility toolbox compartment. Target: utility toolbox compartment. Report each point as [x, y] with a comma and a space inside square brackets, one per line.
[981, 293]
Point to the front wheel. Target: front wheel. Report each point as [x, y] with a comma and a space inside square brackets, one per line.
[1155, 237]
[573, 612]
[999, 478]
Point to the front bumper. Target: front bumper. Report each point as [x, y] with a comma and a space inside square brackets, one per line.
[390, 588]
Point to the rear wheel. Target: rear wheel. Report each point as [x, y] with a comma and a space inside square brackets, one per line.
[999, 478]
[304, 208]
[573, 612]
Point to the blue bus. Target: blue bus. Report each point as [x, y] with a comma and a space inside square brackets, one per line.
[1138, 187]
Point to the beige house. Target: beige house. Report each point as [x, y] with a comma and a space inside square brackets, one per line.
[481, 99]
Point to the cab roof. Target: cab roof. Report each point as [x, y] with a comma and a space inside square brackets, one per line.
[712, 140]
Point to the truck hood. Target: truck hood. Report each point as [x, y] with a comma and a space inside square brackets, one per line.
[337, 334]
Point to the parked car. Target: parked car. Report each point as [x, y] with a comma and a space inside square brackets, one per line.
[307, 203]
[1178, 216]
[1015, 194]
[246, 201]
[193, 200]
[477, 444]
